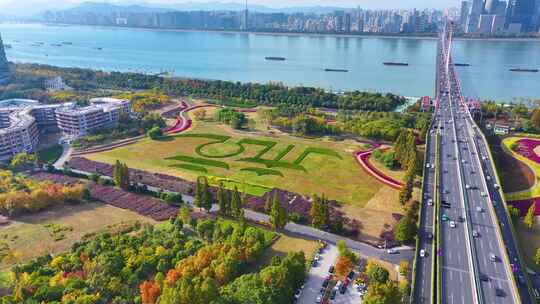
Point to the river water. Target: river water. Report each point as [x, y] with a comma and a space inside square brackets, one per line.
[241, 57]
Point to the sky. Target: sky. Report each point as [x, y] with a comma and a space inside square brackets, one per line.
[31, 6]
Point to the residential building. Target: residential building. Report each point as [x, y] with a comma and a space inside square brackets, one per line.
[75, 121]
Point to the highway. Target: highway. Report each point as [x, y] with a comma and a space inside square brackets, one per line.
[477, 257]
[484, 268]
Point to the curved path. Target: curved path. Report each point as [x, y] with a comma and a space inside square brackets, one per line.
[362, 157]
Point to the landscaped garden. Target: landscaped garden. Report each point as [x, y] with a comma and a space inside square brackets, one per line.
[255, 164]
[527, 151]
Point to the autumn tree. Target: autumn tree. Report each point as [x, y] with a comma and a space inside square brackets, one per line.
[343, 266]
[530, 218]
[537, 257]
[376, 273]
[149, 292]
[535, 119]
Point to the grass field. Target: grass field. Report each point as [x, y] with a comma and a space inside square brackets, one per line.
[338, 177]
[285, 244]
[30, 236]
[51, 154]
[534, 191]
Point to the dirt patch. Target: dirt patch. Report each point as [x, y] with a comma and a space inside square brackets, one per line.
[515, 175]
[529, 241]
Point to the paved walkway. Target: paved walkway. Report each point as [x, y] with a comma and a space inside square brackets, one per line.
[66, 154]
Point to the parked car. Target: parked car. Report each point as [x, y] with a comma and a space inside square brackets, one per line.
[392, 251]
[331, 269]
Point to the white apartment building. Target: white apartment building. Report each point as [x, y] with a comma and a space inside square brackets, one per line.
[77, 121]
[21, 121]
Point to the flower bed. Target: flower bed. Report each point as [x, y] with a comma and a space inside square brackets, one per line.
[525, 148]
[524, 205]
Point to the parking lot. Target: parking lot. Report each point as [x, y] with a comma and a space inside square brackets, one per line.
[316, 276]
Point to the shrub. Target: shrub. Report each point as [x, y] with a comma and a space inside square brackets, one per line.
[155, 132]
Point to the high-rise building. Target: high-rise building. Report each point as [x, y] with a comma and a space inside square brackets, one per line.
[4, 68]
[485, 24]
[491, 6]
[348, 22]
[521, 12]
[464, 14]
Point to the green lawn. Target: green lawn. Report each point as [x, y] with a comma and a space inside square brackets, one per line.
[50, 155]
[306, 166]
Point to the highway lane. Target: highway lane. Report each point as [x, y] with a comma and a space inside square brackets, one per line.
[424, 266]
[456, 260]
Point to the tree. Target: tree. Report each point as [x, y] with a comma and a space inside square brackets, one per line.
[406, 193]
[376, 273]
[404, 268]
[149, 292]
[319, 212]
[343, 266]
[278, 214]
[268, 204]
[537, 257]
[405, 229]
[223, 200]
[236, 203]
[200, 114]
[382, 293]
[346, 252]
[22, 160]
[203, 196]
[121, 175]
[535, 119]
[155, 132]
[514, 214]
[530, 218]
[184, 215]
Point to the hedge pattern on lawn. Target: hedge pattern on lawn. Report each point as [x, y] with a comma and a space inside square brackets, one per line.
[190, 167]
[262, 171]
[257, 159]
[284, 152]
[200, 161]
[313, 150]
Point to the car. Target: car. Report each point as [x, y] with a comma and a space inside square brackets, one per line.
[317, 257]
[322, 290]
[467, 186]
[314, 263]
[331, 269]
[342, 289]
[392, 251]
[473, 172]
[521, 279]
[461, 219]
[430, 202]
[496, 186]
[488, 177]
[429, 235]
[499, 293]
[423, 253]
[475, 233]
[484, 278]
[298, 293]
[479, 209]
[350, 275]
[427, 165]
[318, 300]
[493, 257]
[444, 217]
[452, 224]
[483, 194]
[338, 285]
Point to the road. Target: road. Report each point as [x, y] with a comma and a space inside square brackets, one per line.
[424, 266]
[473, 257]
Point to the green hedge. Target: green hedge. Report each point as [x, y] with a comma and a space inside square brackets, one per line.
[322, 151]
[262, 171]
[200, 161]
[267, 144]
[190, 167]
[284, 152]
[274, 164]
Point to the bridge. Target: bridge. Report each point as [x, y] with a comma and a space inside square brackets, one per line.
[466, 251]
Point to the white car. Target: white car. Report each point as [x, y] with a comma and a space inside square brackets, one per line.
[467, 186]
[430, 202]
[392, 251]
[318, 300]
[483, 194]
[422, 253]
[488, 177]
[479, 209]
[475, 233]
[496, 186]
[452, 224]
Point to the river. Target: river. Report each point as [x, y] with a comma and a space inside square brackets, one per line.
[241, 57]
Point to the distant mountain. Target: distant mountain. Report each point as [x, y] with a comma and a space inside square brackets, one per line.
[142, 7]
[106, 8]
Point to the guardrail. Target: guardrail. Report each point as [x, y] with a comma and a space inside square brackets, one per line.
[436, 279]
[509, 219]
